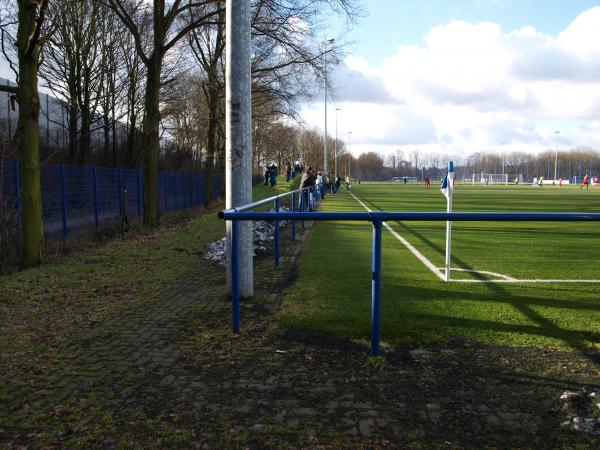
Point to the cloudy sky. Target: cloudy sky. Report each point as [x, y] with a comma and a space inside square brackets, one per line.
[462, 76]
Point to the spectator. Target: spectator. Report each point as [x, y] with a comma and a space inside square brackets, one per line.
[288, 172]
[267, 175]
[307, 181]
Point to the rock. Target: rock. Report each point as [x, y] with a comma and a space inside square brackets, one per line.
[262, 233]
[567, 395]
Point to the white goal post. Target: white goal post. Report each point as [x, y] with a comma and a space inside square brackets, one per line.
[494, 178]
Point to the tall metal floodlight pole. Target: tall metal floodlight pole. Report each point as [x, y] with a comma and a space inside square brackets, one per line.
[556, 156]
[238, 137]
[504, 176]
[335, 144]
[349, 158]
[327, 42]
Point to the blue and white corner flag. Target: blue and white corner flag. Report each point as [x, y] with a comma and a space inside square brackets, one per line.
[448, 181]
[447, 188]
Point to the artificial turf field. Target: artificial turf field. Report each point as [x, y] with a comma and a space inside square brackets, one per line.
[333, 290]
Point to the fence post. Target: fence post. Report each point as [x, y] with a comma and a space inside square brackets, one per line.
[175, 188]
[376, 288]
[166, 190]
[235, 276]
[191, 189]
[119, 187]
[18, 195]
[200, 188]
[276, 234]
[95, 189]
[63, 189]
[303, 195]
[293, 221]
[138, 180]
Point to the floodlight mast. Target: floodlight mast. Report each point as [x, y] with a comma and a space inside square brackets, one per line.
[326, 42]
[238, 143]
[335, 155]
[556, 156]
[349, 156]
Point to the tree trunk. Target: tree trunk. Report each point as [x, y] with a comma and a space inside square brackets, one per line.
[85, 136]
[211, 137]
[28, 139]
[106, 130]
[114, 140]
[151, 141]
[73, 128]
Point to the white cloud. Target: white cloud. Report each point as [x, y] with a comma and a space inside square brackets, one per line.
[472, 86]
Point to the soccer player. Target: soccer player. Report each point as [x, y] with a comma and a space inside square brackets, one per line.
[427, 183]
[586, 182]
[560, 182]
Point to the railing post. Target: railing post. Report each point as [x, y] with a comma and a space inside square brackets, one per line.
[235, 276]
[138, 182]
[276, 234]
[120, 188]
[293, 221]
[63, 189]
[18, 196]
[95, 188]
[376, 288]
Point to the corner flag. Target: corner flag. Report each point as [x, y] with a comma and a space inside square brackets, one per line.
[448, 181]
[447, 188]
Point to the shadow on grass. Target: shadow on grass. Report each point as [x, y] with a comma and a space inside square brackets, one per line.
[545, 327]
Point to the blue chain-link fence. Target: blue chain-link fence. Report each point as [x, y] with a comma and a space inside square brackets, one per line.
[86, 196]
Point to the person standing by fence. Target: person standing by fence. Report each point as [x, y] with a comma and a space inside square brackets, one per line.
[308, 180]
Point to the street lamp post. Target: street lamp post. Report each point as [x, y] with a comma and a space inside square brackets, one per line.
[504, 178]
[335, 158]
[349, 157]
[556, 156]
[327, 42]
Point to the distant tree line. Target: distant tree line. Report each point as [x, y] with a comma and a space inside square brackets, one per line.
[568, 163]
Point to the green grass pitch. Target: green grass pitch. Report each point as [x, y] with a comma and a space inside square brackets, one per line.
[333, 290]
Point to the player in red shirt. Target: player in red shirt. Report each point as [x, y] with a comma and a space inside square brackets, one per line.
[586, 182]
[427, 183]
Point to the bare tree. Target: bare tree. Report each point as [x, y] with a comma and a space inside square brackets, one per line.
[169, 23]
[30, 39]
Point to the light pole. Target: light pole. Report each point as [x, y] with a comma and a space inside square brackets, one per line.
[556, 156]
[349, 156]
[503, 163]
[326, 42]
[335, 143]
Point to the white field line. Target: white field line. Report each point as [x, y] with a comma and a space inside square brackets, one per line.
[493, 274]
[407, 244]
[440, 274]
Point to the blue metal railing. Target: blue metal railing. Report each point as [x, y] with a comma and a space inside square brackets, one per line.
[377, 219]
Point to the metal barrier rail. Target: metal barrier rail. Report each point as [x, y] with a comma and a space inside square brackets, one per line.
[301, 199]
[377, 219]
